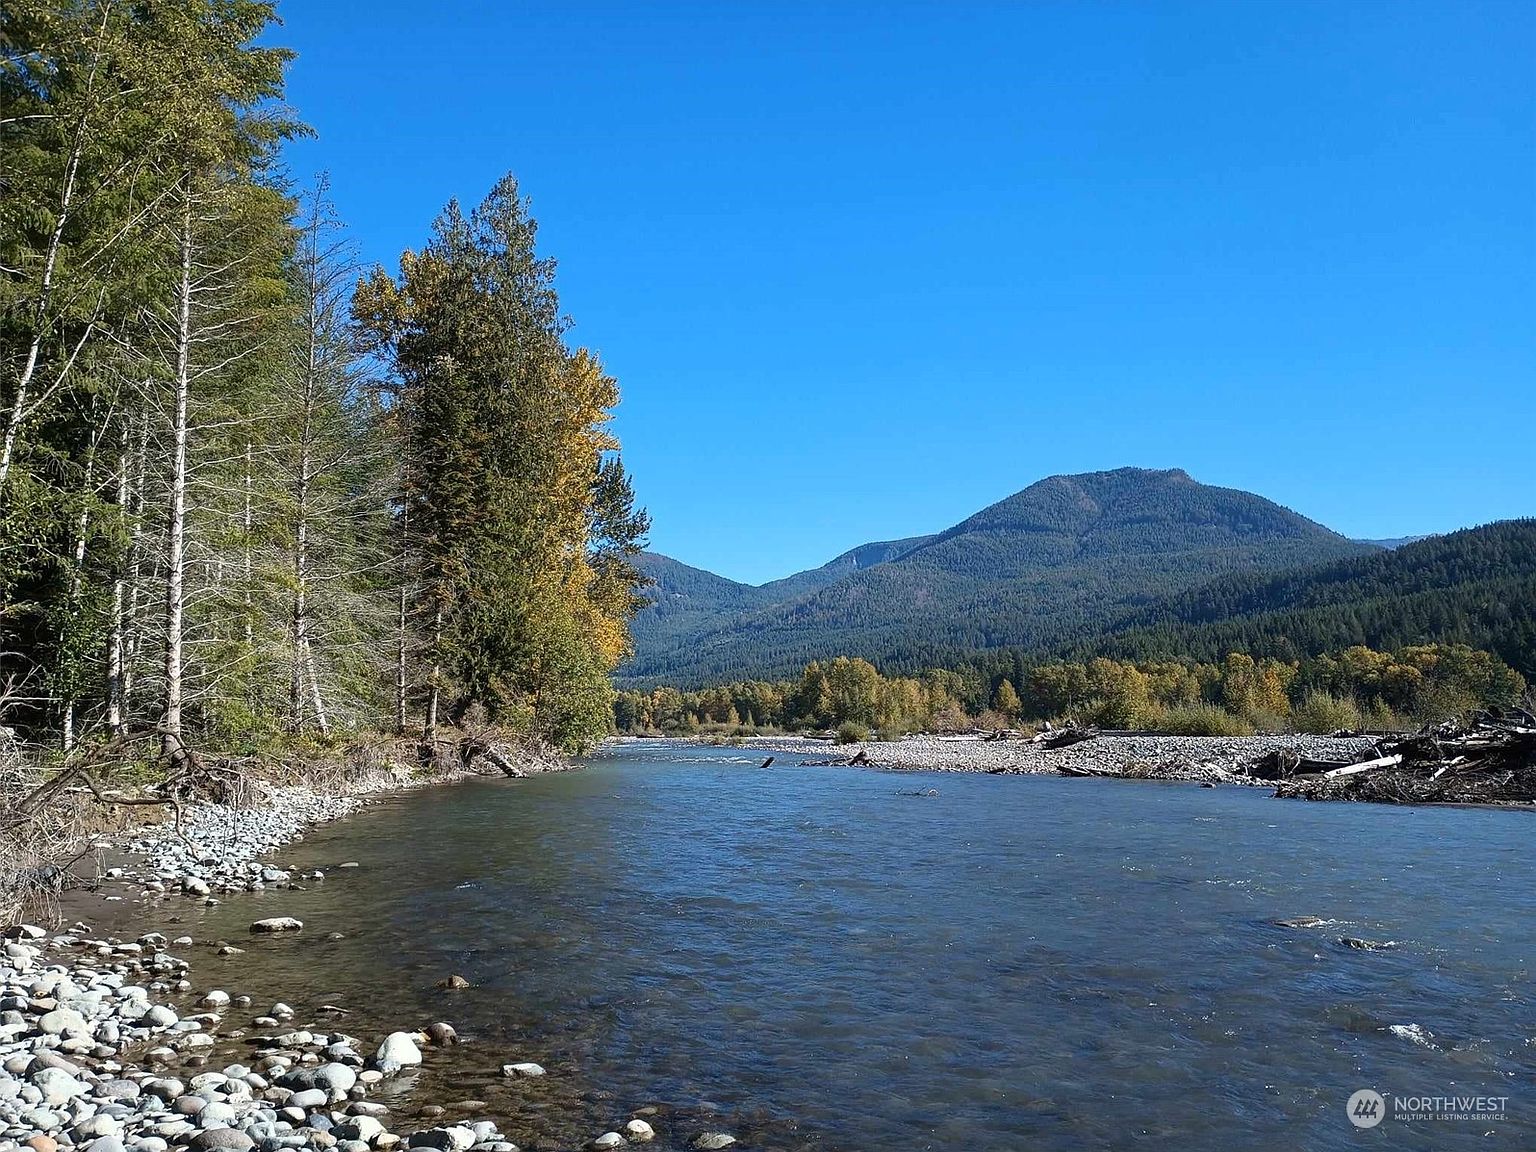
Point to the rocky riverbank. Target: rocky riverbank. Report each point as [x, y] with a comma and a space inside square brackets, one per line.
[1206, 759]
[109, 1044]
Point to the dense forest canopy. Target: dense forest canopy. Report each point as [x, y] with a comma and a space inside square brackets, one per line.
[242, 495]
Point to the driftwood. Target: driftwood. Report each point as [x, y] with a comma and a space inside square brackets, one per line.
[1488, 757]
[1063, 737]
[860, 760]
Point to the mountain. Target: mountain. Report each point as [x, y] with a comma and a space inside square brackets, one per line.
[1474, 587]
[688, 601]
[1062, 559]
[1394, 542]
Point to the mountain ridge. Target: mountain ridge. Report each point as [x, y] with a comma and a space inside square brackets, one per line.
[1060, 554]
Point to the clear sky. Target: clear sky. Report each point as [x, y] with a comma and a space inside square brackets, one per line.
[863, 269]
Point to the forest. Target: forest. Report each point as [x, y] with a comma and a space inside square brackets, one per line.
[252, 493]
[1353, 689]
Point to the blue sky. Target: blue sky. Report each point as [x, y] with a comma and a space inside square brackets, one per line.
[863, 269]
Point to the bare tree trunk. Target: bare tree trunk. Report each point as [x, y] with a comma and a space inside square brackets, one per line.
[72, 604]
[116, 718]
[133, 630]
[314, 687]
[175, 564]
[401, 622]
[246, 523]
[434, 690]
[400, 662]
[300, 602]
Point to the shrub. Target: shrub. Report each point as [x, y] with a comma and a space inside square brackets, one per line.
[851, 732]
[1322, 713]
[1204, 720]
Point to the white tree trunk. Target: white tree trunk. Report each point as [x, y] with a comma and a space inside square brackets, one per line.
[176, 518]
[116, 719]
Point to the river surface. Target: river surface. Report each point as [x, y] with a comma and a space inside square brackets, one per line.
[813, 958]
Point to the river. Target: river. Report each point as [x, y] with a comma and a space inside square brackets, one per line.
[813, 958]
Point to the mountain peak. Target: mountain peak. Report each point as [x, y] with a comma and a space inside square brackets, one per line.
[1065, 552]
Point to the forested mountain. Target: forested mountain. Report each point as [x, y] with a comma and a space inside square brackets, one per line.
[688, 601]
[1476, 587]
[1061, 559]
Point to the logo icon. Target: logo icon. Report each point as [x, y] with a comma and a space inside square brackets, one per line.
[1366, 1108]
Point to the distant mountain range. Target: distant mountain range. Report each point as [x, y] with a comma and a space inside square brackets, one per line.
[1066, 559]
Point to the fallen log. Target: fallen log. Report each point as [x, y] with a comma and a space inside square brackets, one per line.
[1364, 766]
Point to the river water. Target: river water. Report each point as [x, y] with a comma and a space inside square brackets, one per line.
[814, 958]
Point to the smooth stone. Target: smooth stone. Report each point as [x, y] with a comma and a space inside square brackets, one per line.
[221, 1140]
[335, 1077]
[217, 1112]
[119, 1090]
[712, 1141]
[523, 1070]
[364, 1128]
[398, 1048]
[98, 1125]
[607, 1141]
[62, 1020]
[454, 1139]
[639, 1131]
[441, 1033]
[57, 1086]
[49, 1059]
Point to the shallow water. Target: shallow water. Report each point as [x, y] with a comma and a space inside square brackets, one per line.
[810, 959]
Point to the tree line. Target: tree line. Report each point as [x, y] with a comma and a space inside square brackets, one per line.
[1355, 688]
[249, 490]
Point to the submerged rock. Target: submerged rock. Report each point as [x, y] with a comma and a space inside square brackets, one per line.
[278, 924]
[523, 1070]
[1367, 945]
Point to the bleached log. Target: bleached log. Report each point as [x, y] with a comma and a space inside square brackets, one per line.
[1367, 766]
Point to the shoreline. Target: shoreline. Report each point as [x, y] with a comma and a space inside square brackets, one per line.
[1206, 760]
[1193, 759]
[107, 1044]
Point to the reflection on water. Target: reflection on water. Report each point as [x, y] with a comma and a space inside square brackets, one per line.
[810, 960]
